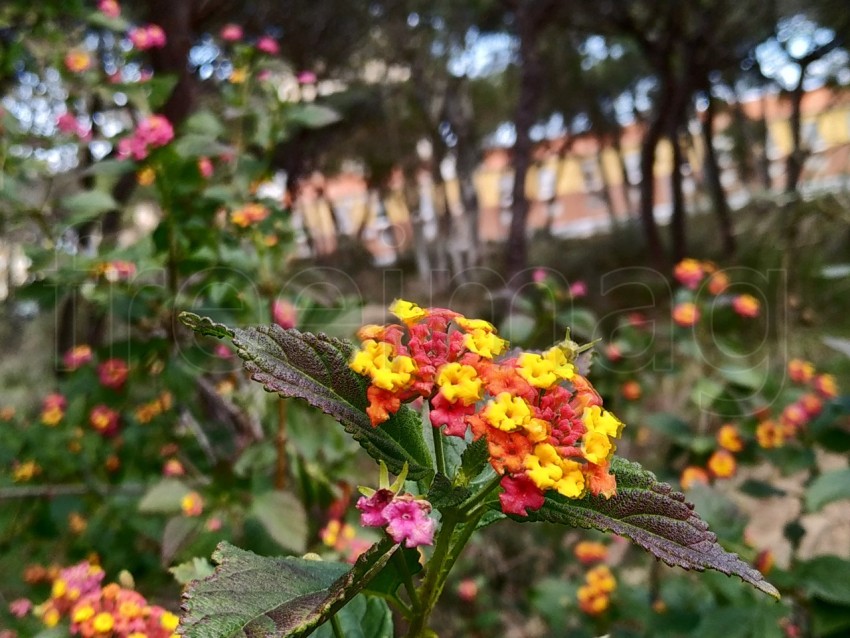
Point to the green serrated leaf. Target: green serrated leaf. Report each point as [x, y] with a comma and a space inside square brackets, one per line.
[283, 517]
[204, 325]
[443, 494]
[389, 579]
[193, 145]
[178, 533]
[473, 460]
[363, 617]
[825, 577]
[653, 516]
[164, 497]
[87, 205]
[760, 489]
[110, 168]
[313, 115]
[731, 622]
[826, 488]
[250, 595]
[314, 367]
[829, 619]
[204, 123]
[99, 19]
[194, 569]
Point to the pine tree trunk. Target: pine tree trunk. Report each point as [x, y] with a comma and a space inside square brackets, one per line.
[712, 178]
[678, 234]
[529, 18]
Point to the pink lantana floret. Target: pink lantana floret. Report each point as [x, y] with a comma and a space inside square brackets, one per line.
[268, 45]
[405, 517]
[67, 124]
[148, 37]
[372, 508]
[109, 8]
[152, 132]
[231, 32]
[409, 522]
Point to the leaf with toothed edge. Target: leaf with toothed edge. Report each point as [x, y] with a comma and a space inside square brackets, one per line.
[251, 596]
[314, 367]
[654, 517]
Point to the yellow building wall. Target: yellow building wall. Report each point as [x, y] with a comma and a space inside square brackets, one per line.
[780, 134]
[487, 188]
[611, 167]
[396, 208]
[532, 183]
[834, 126]
[570, 179]
[453, 196]
[319, 219]
[663, 159]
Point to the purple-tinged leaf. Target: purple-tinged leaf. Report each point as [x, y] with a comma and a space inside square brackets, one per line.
[653, 516]
[314, 367]
[252, 596]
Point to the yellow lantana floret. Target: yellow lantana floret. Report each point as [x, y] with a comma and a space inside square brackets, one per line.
[372, 354]
[545, 370]
[169, 621]
[51, 617]
[601, 579]
[375, 359]
[548, 470]
[471, 325]
[561, 366]
[596, 419]
[596, 446]
[407, 311]
[507, 412]
[537, 429]
[59, 588]
[82, 614]
[459, 382]
[103, 622]
[485, 343]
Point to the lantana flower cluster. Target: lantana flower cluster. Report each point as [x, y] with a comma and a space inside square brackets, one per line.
[594, 595]
[772, 429]
[544, 423]
[109, 611]
[152, 132]
[692, 274]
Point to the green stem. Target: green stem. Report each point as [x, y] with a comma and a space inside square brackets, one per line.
[480, 496]
[337, 628]
[447, 550]
[461, 541]
[407, 579]
[432, 585]
[438, 450]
